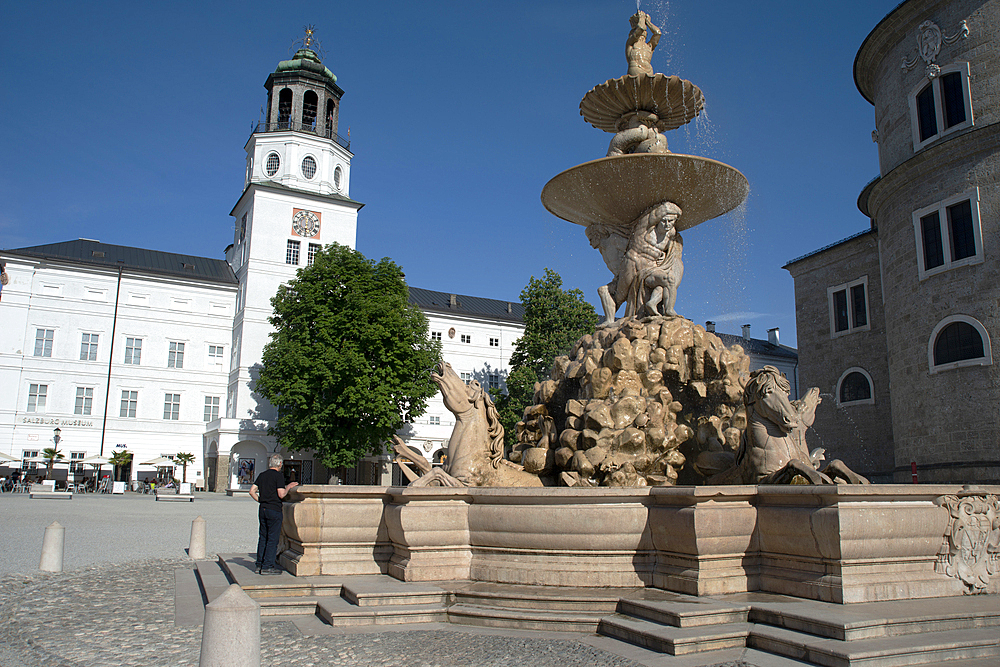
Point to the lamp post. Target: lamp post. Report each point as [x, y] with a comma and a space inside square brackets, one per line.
[56, 437]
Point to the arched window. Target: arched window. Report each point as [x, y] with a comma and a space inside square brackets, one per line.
[329, 119]
[310, 102]
[284, 108]
[855, 387]
[959, 341]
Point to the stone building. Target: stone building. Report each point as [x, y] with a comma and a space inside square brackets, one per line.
[903, 336]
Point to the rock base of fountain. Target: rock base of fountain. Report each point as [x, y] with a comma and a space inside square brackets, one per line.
[833, 543]
[632, 402]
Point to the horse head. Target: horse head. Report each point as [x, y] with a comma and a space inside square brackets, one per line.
[458, 397]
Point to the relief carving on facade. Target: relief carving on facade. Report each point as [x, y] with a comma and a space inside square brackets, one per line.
[971, 547]
[929, 39]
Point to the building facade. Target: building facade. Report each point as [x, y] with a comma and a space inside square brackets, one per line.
[928, 266]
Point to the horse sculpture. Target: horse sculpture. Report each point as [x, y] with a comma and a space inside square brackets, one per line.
[773, 447]
[475, 449]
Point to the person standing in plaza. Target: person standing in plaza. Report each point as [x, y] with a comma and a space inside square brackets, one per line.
[269, 490]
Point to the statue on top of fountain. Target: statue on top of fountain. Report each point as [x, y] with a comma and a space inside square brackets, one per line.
[645, 260]
[638, 51]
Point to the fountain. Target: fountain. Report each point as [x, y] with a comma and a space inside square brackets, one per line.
[614, 428]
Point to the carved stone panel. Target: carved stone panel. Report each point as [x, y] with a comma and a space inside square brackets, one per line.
[971, 547]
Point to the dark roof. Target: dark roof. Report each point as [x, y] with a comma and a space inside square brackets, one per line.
[271, 185]
[105, 255]
[475, 306]
[756, 346]
[827, 247]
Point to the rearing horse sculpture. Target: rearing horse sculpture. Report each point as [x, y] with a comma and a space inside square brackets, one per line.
[773, 448]
[475, 450]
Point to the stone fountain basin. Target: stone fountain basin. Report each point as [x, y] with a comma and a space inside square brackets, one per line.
[831, 543]
[616, 190]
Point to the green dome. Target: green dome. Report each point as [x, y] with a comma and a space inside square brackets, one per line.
[308, 60]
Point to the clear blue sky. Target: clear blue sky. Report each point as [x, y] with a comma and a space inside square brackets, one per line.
[126, 122]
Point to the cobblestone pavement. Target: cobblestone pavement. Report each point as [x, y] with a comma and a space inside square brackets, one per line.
[124, 615]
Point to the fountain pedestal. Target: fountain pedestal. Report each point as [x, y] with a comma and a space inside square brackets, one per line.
[834, 543]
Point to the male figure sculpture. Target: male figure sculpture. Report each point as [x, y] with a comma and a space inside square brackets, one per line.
[612, 246]
[638, 51]
[652, 267]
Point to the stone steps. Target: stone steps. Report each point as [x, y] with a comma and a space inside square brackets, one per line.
[674, 640]
[878, 652]
[555, 620]
[339, 612]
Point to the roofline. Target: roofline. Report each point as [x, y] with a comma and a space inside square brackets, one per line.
[866, 192]
[480, 316]
[112, 268]
[284, 188]
[870, 230]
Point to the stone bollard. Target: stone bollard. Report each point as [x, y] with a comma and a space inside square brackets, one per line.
[196, 549]
[231, 636]
[53, 545]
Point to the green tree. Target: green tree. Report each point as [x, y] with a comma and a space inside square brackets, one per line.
[554, 319]
[348, 357]
[184, 460]
[51, 454]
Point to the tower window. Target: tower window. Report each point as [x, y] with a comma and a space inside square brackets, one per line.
[338, 177]
[292, 252]
[284, 108]
[310, 103]
[941, 105]
[308, 167]
[948, 234]
[272, 164]
[243, 222]
[959, 341]
[329, 119]
[849, 307]
[311, 257]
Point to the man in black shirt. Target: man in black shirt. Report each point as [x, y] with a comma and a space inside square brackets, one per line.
[268, 489]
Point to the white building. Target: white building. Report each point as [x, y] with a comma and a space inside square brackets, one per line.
[170, 355]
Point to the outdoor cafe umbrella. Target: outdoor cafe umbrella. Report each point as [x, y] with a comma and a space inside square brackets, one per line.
[98, 462]
[161, 462]
[8, 457]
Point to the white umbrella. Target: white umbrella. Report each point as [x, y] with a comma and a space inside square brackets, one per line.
[8, 457]
[159, 462]
[95, 460]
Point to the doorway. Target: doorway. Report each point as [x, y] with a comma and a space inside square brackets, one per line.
[292, 470]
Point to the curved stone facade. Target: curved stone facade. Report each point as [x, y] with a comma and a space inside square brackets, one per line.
[946, 419]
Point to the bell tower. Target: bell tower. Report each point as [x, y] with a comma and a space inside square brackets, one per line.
[296, 199]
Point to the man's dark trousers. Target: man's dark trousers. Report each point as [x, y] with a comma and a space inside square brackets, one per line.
[270, 533]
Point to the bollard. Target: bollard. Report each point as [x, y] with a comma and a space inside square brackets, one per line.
[231, 636]
[196, 549]
[52, 548]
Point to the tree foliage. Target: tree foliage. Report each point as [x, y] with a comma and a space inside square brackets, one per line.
[554, 319]
[348, 357]
[185, 460]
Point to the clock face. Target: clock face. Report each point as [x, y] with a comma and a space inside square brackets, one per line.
[305, 223]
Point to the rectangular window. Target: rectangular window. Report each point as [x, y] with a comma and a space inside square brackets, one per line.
[243, 227]
[88, 347]
[211, 408]
[849, 307]
[311, 256]
[175, 355]
[43, 342]
[84, 400]
[466, 338]
[74, 461]
[172, 406]
[434, 421]
[435, 335]
[29, 454]
[494, 381]
[37, 395]
[963, 241]
[466, 377]
[292, 252]
[941, 105]
[215, 353]
[494, 342]
[949, 234]
[954, 99]
[133, 351]
[130, 401]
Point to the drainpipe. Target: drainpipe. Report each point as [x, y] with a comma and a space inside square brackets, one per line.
[111, 358]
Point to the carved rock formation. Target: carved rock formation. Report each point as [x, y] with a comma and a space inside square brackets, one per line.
[632, 403]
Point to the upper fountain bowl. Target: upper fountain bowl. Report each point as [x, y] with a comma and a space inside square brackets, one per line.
[617, 190]
[674, 100]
